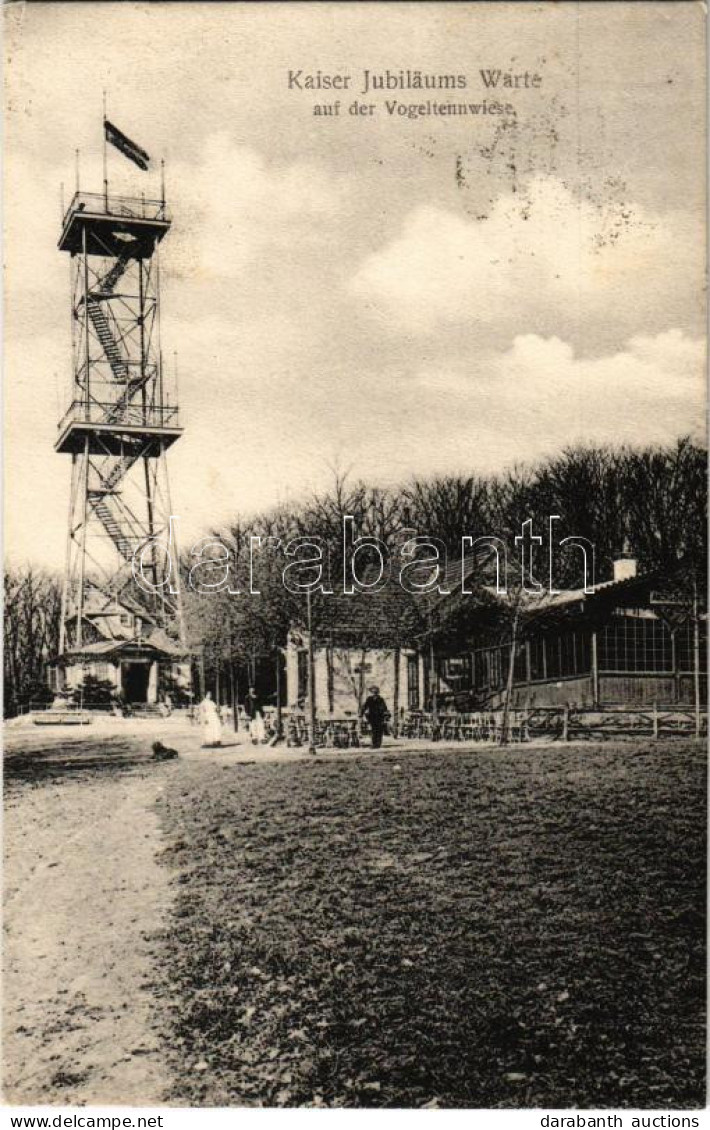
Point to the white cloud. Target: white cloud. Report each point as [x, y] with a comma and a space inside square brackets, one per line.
[538, 396]
[545, 261]
[234, 206]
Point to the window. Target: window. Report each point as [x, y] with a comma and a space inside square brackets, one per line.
[635, 645]
[684, 646]
[584, 652]
[413, 682]
[456, 670]
[538, 667]
[566, 655]
[302, 676]
[552, 656]
[490, 668]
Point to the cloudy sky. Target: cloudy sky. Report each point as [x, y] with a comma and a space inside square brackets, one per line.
[389, 295]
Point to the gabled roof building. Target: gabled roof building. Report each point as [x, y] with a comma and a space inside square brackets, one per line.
[122, 645]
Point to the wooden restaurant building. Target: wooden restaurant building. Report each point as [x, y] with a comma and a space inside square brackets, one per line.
[635, 640]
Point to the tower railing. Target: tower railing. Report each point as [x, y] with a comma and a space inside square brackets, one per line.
[110, 412]
[131, 207]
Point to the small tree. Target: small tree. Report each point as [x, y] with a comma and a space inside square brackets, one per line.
[94, 692]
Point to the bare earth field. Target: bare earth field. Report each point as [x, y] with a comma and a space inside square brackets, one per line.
[83, 894]
[476, 928]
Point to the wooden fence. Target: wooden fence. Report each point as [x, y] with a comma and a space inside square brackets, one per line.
[542, 723]
[563, 723]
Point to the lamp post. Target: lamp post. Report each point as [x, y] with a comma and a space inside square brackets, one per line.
[279, 712]
[696, 659]
[311, 680]
[44, 654]
[434, 678]
[233, 688]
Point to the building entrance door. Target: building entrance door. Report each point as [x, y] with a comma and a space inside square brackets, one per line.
[135, 681]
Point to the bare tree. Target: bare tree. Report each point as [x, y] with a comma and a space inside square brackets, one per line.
[32, 611]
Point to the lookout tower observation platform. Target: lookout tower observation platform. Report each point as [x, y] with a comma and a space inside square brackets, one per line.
[121, 400]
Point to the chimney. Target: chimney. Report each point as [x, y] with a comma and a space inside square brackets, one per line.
[625, 564]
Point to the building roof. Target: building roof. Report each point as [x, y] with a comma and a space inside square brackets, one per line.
[392, 616]
[158, 646]
[646, 588]
[382, 617]
[550, 608]
[97, 602]
[103, 611]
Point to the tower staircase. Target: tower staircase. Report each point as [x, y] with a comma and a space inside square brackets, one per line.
[101, 324]
[115, 412]
[124, 533]
[108, 283]
[118, 363]
[119, 470]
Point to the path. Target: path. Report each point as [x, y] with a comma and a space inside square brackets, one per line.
[83, 895]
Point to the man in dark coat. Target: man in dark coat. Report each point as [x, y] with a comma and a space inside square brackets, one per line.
[374, 711]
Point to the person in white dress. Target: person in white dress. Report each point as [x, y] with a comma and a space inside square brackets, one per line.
[254, 709]
[211, 724]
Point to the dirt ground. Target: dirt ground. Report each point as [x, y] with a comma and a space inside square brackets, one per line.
[84, 896]
[423, 928]
[84, 901]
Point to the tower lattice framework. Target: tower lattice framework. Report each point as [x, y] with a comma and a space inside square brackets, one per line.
[123, 415]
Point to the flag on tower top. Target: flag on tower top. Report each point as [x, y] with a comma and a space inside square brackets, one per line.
[125, 145]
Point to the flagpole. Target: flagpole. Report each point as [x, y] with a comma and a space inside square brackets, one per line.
[76, 153]
[162, 182]
[105, 159]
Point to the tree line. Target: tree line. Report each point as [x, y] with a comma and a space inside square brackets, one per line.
[651, 501]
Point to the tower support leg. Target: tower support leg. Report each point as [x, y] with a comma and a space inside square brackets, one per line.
[82, 559]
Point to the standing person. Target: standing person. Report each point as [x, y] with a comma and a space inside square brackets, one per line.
[374, 711]
[211, 725]
[254, 709]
